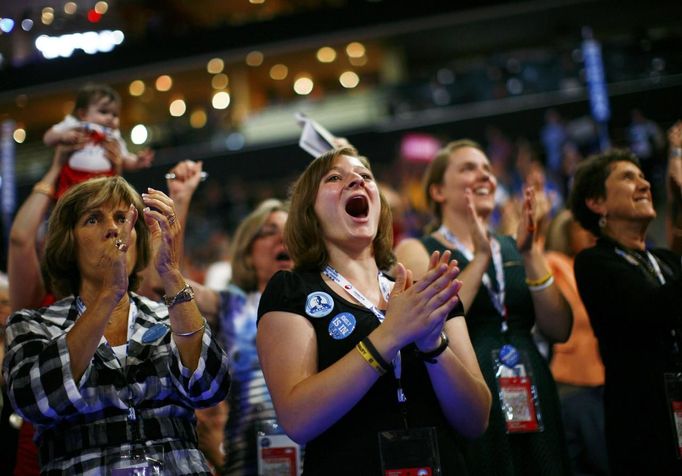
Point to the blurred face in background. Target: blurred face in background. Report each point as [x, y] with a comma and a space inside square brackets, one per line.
[103, 111]
[468, 168]
[268, 253]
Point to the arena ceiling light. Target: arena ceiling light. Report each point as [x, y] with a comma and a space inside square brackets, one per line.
[90, 42]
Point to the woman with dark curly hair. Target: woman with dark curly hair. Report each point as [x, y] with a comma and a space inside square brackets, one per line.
[633, 296]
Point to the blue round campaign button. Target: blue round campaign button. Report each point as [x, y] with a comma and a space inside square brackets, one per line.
[342, 325]
[509, 355]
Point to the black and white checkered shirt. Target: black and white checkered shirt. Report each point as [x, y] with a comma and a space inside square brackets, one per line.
[84, 427]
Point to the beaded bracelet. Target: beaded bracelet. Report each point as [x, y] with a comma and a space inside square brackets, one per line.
[539, 281]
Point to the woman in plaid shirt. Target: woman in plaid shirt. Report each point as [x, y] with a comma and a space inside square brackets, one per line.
[111, 379]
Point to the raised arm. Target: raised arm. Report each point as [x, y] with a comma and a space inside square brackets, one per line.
[69, 136]
[186, 175]
[27, 288]
[414, 256]
[552, 313]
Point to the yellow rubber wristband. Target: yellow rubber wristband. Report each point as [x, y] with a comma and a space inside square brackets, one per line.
[539, 281]
[370, 360]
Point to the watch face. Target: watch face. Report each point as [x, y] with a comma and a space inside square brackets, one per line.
[186, 294]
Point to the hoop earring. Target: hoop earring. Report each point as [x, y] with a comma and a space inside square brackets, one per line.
[602, 221]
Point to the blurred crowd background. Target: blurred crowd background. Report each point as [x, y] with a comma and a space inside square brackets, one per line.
[221, 81]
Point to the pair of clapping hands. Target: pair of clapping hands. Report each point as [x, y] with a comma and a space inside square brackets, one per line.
[417, 311]
[163, 221]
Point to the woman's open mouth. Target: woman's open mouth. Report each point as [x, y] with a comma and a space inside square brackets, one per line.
[358, 206]
[282, 256]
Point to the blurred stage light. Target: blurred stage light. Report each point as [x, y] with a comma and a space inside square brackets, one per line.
[164, 83]
[90, 42]
[220, 81]
[70, 8]
[198, 119]
[101, 7]
[6, 25]
[349, 79]
[355, 50]
[136, 88]
[279, 72]
[221, 100]
[326, 54]
[19, 135]
[177, 108]
[139, 134]
[215, 66]
[93, 16]
[255, 58]
[303, 85]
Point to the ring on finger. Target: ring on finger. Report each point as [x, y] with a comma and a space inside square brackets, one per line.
[121, 246]
[171, 218]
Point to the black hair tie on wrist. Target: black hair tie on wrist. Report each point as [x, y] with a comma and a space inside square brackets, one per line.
[430, 357]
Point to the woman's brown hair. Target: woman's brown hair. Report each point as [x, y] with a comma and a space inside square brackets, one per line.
[303, 233]
[60, 266]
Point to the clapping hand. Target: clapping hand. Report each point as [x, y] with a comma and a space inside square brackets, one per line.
[417, 311]
[477, 229]
[165, 229]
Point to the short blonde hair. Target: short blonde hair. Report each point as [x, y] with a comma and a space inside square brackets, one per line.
[303, 233]
[59, 264]
[243, 273]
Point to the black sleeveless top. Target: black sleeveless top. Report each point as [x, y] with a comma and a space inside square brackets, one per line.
[350, 446]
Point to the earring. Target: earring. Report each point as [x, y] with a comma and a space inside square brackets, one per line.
[602, 221]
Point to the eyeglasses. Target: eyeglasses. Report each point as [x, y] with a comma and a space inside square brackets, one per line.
[268, 231]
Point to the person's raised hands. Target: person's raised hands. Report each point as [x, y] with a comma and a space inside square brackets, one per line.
[114, 263]
[186, 176]
[145, 157]
[165, 229]
[477, 229]
[417, 312]
[532, 212]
